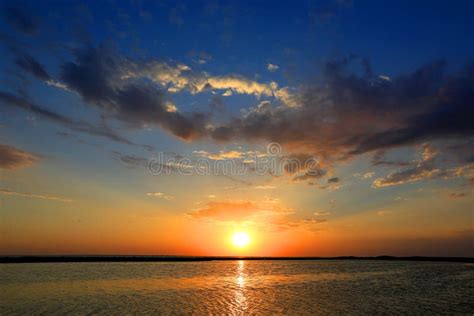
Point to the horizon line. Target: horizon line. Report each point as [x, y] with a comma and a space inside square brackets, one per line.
[186, 258]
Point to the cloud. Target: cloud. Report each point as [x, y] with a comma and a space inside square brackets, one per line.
[350, 113]
[221, 155]
[457, 195]
[227, 211]
[272, 67]
[21, 20]
[12, 158]
[102, 78]
[344, 114]
[178, 77]
[313, 174]
[303, 167]
[33, 67]
[102, 130]
[267, 214]
[265, 187]
[160, 195]
[422, 172]
[368, 175]
[99, 73]
[228, 93]
[131, 161]
[321, 213]
[287, 96]
[34, 196]
[333, 180]
[429, 153]
[426, 168]
[241, 210]
[448, 109]
[311, 224]
[378, 159]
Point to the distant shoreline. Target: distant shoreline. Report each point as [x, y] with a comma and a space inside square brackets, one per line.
[121, 258]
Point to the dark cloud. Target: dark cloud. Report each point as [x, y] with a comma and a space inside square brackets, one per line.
[449, 108]
[93, 74]
[21, 20]
[9, 99]
[378, 159]
[460, 150]
[314, 173]
[74, 137]
[102, 130]
[295, 163]
[333, 180]
[302, 166]
[422, 171]
[131, 161]
[154, 164]
[352, 112]
[32, 66]
[12, 158]
[457, 195]
[217, 104]
[428, 167]
[99, 76]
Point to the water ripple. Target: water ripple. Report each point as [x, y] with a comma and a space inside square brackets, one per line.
[237, 288]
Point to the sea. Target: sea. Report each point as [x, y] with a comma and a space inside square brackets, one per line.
[240, 287]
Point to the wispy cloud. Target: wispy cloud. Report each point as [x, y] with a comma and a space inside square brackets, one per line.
[160, 195]
[248, 156]
[100, 130]
[12, 158]
[457, 195]
[268, 211]
[265, 187]
[272, 67]
[368, 175]
[32, 66]
[423, 172]
[227, 211]
[222, 155]
[321, 213]
[34, 196]
[425, 169]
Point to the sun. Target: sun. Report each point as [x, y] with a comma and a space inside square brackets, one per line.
[240, 239]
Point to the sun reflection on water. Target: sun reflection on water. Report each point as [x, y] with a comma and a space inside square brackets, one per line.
[240, 299]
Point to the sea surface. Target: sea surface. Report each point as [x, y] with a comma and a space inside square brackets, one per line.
[238, 287]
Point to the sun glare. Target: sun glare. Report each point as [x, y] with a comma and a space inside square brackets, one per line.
[240, 239]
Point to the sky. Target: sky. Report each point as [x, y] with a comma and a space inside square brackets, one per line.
[311, 128]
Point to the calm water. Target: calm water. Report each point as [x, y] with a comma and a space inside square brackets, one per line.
[237, 287]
